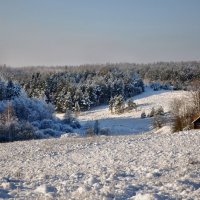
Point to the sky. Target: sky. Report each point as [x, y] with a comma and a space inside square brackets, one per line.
[75, 32]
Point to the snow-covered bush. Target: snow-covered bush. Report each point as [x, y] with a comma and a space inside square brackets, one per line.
[89, 131]
[66, 128]
[70, 119]
[159, 111]
[46, 123]
[155, 112]
[50, 132]
[17, 131]
[131, 105]
[158, 121]
[32, 109]
[152, 113]
[155, 86]
[23, 118]
[183, 113]
[143, 115]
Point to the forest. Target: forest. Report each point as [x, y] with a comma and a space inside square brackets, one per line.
[30, 96]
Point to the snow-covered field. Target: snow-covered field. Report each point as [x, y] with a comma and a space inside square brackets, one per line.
[156, 165]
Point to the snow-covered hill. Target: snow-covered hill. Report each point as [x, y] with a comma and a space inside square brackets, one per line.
[131, 122]
[158, 165]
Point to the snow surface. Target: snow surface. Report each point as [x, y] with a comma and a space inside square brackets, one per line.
[156, 165]
[159, 165]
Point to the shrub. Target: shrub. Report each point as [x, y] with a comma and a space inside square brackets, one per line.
[71, 120]
[152, 113]
[159, 111]
[17, 131]
[89, 131]
[46, 123]
[143, 115]
[131, 105]
[182, 114]
[158, 121]
[50, 132]
[66, 128]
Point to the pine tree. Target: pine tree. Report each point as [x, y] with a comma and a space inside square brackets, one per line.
[119, 104]
[68, 102]
[85, 102]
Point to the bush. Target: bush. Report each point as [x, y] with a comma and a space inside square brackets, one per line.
[46, 123]
[66, 128]
[32, 109]
[50, 132]
[159, 111]
[152, 113]
[182, 114]
[143, 115]
[71, 120]
[17, 131]
[131, 105]
[89, 131]
[158, 121]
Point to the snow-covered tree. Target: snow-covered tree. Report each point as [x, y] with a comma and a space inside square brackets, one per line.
[131, 105]
[119, 104]
[68, 101]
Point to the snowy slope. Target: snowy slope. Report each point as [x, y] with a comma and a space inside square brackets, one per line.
[131, 122]
[150, 166]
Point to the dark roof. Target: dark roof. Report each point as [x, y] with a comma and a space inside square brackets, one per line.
[196, 119]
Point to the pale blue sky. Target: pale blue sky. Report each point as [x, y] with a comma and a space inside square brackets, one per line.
[73, 32]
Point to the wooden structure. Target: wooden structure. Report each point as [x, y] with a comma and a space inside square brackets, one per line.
[196, 123]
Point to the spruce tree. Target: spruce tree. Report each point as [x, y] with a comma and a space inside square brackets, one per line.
[119, 104]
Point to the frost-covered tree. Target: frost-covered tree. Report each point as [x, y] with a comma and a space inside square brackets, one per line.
[131, 105]
[68, 101]
[85, 102]
[12, 90]
[119, 104]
